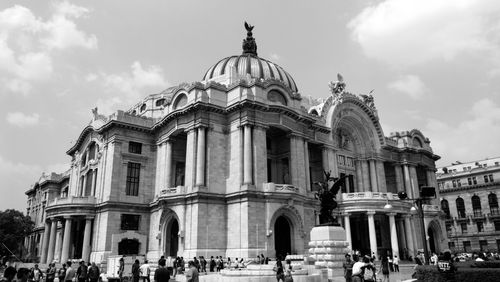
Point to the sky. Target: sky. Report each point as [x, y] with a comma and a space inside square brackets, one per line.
[434, 65]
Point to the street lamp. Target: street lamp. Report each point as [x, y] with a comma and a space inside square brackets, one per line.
[426, 193]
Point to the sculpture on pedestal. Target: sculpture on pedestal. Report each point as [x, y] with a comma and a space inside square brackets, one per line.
[326, 195]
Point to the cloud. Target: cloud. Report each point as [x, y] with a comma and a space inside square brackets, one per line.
[454, 141]
[27, 43]
[131, 86]
[407, 32]
[410, 85]
[22, 120]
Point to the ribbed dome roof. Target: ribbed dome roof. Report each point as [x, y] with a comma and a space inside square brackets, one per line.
[253, 65]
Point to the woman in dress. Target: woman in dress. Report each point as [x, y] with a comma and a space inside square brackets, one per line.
[384, 268]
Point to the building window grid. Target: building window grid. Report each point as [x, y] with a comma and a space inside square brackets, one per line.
[463, 226]
[497, 225]
[460, 207]
[133, 175]
[493, 202]
[483, 245]
[476, 206]
[480, 226]
[135, 147]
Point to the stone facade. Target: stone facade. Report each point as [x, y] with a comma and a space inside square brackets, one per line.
[227, 166]
[469, 200]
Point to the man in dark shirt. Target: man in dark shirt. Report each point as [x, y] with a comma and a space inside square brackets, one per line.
[161, 273]
[135, 271]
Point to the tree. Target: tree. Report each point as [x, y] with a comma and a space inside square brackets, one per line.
[14, 227]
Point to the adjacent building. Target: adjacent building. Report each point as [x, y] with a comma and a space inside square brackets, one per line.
[469, 199]
[227, 165]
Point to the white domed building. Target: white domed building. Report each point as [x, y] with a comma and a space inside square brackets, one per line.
[227, 166]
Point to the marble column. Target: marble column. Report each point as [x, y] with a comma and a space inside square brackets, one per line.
[394, 234]
[45, 243]
[406, 173]
[373, 176]
[247, 155]
[381, 182]
[399, 178]
[86, 239]
[200, 158]
[306, 167]
[324, 159]
[372, 233]
[52, 240]
[409, 235]
[66, 240]
[366, 176]
[347, 227]
[359, 177]
[57, 252]
[168, 164]
[401, 234]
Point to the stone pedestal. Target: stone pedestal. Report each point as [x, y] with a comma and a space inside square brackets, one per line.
[328, 247]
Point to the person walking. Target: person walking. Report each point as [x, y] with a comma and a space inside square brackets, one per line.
[212, 264]
[81, 273]
[348, 268]
[93, 273]
[280, 275]
[145, 271]
[135, 271]
[161, 273]
[192, 273]
[61, 273]
[121, 269]
[36, 274]
[70, 273]
[203, 263]
[51, 272]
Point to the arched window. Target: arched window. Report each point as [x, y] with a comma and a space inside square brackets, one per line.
[92, 151]
[276, 97]
[445, 207]
[460, 207]
[143, 108]
[493, 201]
[160, 102]
[476, 206]
[128, 247]
[180, 102]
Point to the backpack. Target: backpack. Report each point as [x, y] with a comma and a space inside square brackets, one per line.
[369, 274]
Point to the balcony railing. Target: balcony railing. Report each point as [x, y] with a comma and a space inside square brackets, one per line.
[273, 187]
[173, 191]
[78, 200]
[368, 195]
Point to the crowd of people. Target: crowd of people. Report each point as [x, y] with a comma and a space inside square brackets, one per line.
[83, 273]
[363, 268]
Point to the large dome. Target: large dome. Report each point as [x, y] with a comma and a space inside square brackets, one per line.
[249, 63]
[253, 65]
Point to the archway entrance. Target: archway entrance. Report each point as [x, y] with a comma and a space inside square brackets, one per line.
[172, 238]
[432, 243]
[282, 237]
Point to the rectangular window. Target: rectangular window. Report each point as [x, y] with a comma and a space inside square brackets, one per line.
[467, 246]
[454, 183]
[134, 147]
[480, 226]
[463, 226]
[133, 174]
[451, 245]
[497, 225]
[486, 179]
[483, 245]
[459, 184]
[130, 221]
[469, 180]
[490, 177]
[474, 180]
[341, 160]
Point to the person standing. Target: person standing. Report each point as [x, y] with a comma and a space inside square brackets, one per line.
[51, 272]
[36, 274]
[384, 268]
[357, 269]
[121, 269]
[170, 264]
[135, 271]
[161, 273]
[145, 271]
[212, 264]
[93, 273]
[280, 275]
[348, 268]
[82, 272]
[203, 263]
[62, 273]
[70, 273]
[396, 263]
[192, 273]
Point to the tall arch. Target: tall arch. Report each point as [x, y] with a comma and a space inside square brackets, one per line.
[493, 203]
[169, 229]
[291, 216]
[460, 207]
[435, 235]
[476, 205]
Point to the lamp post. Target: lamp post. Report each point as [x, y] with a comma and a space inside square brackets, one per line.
[426, 193]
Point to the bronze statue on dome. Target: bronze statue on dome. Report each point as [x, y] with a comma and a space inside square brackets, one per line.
[326, 195]
[249, 44]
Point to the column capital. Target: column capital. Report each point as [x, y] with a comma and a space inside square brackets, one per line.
[392, 214]
[370, 212]
[407, 216]
[346, 214]
[66, 217]
[89, 217]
